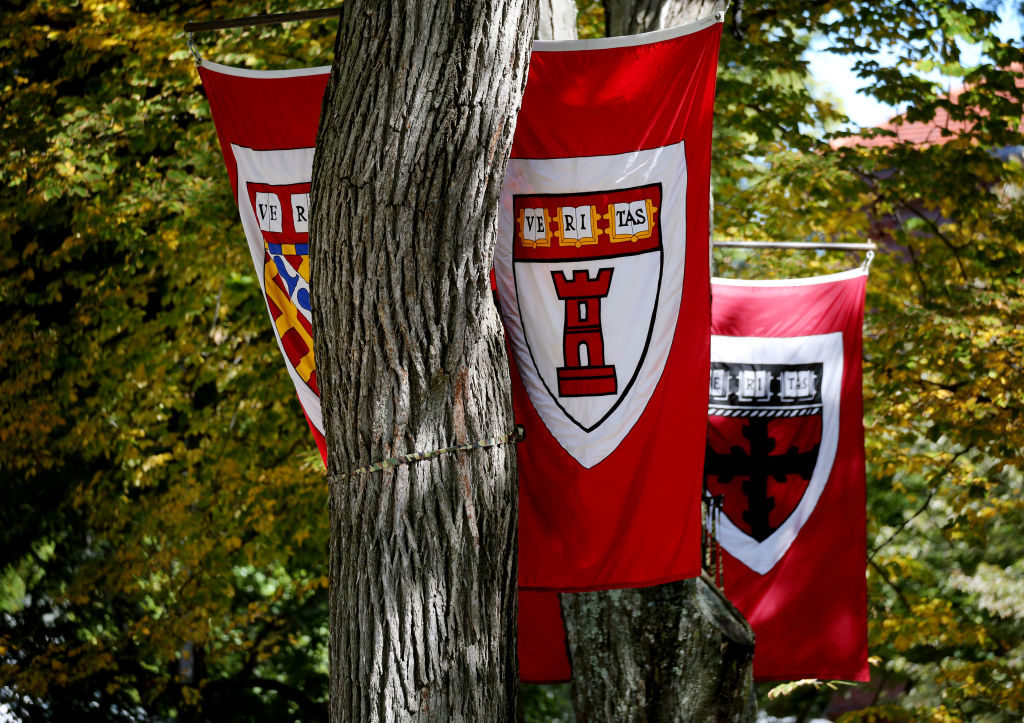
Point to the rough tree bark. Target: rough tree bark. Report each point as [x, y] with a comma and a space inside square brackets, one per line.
[627, 17]
[556, 20]
[674, 652]
[414, 136]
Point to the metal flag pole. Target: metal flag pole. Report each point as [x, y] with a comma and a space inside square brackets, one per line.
[813, 245]
[869, 246]
[252, 21]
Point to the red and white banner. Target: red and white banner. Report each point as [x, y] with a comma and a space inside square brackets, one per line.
[602, 272]
[543, 650]
[785, 453]
[266, 122]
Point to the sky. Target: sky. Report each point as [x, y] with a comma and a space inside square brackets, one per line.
[834, 74]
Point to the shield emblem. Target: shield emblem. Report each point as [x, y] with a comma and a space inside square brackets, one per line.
[773, 427]
[282, 214]
[273, 200]
[590, 274]
[587, 270]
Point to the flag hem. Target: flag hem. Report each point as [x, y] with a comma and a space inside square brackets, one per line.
[545, 681]
[629, 41]
[806, 281]
[265, 74]
[862, 677]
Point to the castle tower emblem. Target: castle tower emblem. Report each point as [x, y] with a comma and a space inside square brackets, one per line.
[585, 373]
[588, 270]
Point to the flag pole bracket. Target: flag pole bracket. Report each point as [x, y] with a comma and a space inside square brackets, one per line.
[190, 40]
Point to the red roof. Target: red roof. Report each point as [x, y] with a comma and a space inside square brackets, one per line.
[921, 133]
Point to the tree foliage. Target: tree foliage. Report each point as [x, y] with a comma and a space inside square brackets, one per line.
[163, 506]
[161, 493]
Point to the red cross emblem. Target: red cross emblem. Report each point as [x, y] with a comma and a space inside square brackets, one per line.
[773, 427]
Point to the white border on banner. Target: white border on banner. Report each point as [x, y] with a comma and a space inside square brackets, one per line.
[265, 74]
[276, 167]
[530, 176]
[807, 281]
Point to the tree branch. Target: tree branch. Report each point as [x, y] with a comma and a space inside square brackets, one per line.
[938, 234]
[922, 508]
[770, 13]
[890, 583]
[737, 20]
[925, 298]
[931, 223]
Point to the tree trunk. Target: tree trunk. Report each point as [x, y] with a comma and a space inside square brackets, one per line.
[415, 133]
[557, 20]
[673, 652]
[628, 17]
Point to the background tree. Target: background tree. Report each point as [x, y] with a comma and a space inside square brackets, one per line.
[628, 17]
[408, 170]
[556, 19]
[160, 537]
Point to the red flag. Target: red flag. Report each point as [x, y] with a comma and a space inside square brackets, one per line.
[602, 272]
[543, 652]
[785, 452]
[266, 122]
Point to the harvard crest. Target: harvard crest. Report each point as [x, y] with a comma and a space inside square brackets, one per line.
[590, 271]
[591, 261]
[772, 433]
[273, 201]
[282, 212]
